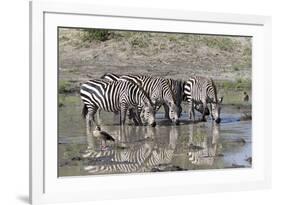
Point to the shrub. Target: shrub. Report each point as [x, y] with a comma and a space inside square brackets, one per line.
[139, 41]
[66, 87]
[221, 43]
[91, 34]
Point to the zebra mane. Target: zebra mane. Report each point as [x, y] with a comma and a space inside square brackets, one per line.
[110, 75]
[104, 75]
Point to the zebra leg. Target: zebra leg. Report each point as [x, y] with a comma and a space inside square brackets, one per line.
[98, 118]
[90, 119]
[133, 115]
[204, 111]
[166, 108]
[123, 113]
[179, 111]
[138, 118]
[191, 111]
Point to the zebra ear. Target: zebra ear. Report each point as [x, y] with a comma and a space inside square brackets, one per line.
[221, 99]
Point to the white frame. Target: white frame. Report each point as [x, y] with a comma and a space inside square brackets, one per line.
[46, 187]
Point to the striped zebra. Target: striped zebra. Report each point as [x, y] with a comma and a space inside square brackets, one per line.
[177, 89]
[114, 96]
[159, 91]
[201, 90]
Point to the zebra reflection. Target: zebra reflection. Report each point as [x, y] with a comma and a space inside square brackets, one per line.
[139, 154]
[205, 150]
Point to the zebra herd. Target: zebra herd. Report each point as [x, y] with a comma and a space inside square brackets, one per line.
[142, 96]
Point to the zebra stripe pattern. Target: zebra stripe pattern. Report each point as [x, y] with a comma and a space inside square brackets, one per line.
[114, 96]
[158, 89]
[177, 90]
[110, 76]
[141, 158]
[200, 90]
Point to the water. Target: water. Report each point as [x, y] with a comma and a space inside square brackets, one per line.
[189, 146]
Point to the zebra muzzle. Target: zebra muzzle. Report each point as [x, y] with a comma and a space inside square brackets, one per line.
[218, 120]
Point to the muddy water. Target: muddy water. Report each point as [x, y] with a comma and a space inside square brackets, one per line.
[189, 146]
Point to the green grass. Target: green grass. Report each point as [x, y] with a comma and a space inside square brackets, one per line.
[232, 91]
[66, 87]
[140, 41]
[69, 100]
[237, 85]
[91, 34]
[221, 43]
[247, 57]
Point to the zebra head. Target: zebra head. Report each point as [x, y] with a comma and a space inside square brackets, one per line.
[216, 109]
[148, 114]
[199, 108]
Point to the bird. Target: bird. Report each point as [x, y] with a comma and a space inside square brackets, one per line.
[104, 136]
[246, 97]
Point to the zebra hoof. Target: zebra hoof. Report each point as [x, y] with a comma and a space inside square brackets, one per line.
[218, 120]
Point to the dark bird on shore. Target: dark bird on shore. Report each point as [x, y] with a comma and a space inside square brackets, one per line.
[104, 136]
[246, 97]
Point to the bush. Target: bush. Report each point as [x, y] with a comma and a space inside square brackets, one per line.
[221, 43]
[242, 84]
[91, 34]
[139, 41]
[66, 86]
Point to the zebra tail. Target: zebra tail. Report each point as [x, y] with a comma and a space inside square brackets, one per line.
[84, 111]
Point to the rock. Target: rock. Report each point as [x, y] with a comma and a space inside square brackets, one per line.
[154, 169]
[237, 166]
[193, 147]
[76, 158]
[249, 159]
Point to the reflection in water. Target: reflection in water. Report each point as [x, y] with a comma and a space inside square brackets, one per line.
[136, 155]
[189, 146]
[203, 151]
[144, 149]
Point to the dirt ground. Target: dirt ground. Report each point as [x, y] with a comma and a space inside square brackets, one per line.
[178, 56]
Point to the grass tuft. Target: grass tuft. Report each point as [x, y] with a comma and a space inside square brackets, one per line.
[91, 34]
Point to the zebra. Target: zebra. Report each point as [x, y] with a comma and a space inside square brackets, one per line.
[177, 89]
[114, 96]
[111, 76]
[201, 90]
[158, 89]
